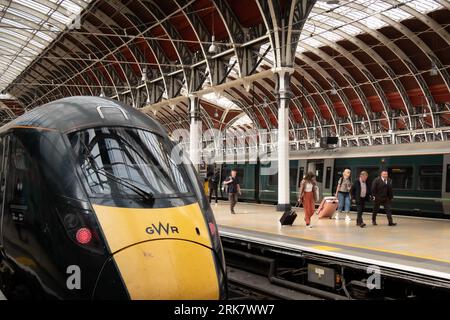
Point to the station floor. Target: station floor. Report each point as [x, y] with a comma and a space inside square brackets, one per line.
[414, 245]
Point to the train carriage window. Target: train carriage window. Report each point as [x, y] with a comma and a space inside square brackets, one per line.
[292, 178]
[430, 178]
[273, 179]
[402, 177]
[447, 187]
[336, 176]
[328, 178]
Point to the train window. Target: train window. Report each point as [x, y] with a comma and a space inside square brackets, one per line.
[301, 174]
[273, 179]
[328, 178]
[402, 177]
[447, 187]
[116, 159]
[430, 177]
[319, 172]
[337, 174]
[292, 177]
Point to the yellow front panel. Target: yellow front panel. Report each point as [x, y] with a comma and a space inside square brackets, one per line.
[169, 267]
[168, 270]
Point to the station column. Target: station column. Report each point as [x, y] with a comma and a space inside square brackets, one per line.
[195, 131]
[284, 94]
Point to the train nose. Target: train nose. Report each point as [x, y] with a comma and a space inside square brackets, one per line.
[168, 269]
[160, 253]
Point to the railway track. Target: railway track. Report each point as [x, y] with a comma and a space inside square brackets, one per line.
[249, 286]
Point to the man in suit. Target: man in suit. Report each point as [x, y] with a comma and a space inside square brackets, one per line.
[360, 193]
[383, 195]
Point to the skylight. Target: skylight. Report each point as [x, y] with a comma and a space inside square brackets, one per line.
[27, 27]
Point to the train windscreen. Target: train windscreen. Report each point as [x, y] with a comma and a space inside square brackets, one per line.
[126, 161]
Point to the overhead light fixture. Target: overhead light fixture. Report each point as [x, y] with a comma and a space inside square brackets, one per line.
[102, 94]
[333, 90]
[434, 69]
[216, 114]
[213, 47]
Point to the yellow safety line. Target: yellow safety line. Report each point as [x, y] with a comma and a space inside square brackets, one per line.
[347, 245]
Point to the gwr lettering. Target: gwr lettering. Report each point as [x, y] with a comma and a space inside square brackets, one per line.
[161, 228]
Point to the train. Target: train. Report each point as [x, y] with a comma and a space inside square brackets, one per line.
[94, 206]
[420, 173]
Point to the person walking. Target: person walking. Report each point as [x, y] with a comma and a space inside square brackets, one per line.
[307, 195]
[383, 195]
[343, 194]
[233, 189]
[214, 185]
[360, 193]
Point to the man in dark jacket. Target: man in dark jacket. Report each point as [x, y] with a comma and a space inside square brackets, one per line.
[360, 193]
[233, 189]
[383, 194]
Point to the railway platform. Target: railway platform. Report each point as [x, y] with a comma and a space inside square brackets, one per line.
[416, 246]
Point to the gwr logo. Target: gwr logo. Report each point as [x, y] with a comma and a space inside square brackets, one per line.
[161, 228]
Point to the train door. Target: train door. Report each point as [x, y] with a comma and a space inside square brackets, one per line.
[327, 189]
[317, 167]
[446, 184]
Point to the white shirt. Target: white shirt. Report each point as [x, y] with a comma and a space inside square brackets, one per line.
[363, 189]
[308, 187]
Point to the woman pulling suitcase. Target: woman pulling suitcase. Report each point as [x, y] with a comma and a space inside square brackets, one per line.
[308, 195]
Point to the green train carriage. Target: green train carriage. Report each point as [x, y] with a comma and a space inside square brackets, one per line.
[420, 174]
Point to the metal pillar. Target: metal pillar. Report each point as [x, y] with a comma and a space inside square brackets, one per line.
[195, 131]
[284, 95]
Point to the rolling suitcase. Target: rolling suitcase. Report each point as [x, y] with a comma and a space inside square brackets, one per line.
[327, 207]
[288, 218]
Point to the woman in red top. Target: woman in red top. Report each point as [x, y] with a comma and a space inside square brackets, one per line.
[308, 196]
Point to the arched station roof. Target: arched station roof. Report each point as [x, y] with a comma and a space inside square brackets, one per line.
[362, 67]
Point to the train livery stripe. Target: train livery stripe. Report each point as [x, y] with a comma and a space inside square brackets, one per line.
[161, 253]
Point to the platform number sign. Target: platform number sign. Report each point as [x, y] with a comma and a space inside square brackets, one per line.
[74, 279]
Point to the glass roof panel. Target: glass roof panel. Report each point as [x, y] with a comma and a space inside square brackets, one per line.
[348, 16]
[27, 27]
[423, 6]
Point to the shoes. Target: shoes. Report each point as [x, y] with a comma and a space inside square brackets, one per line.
[362, 225]
[232, 212]
[215, 205]
[309, 226]
[374, 223]
[336, 216]
[347, 218]
[392, 224]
